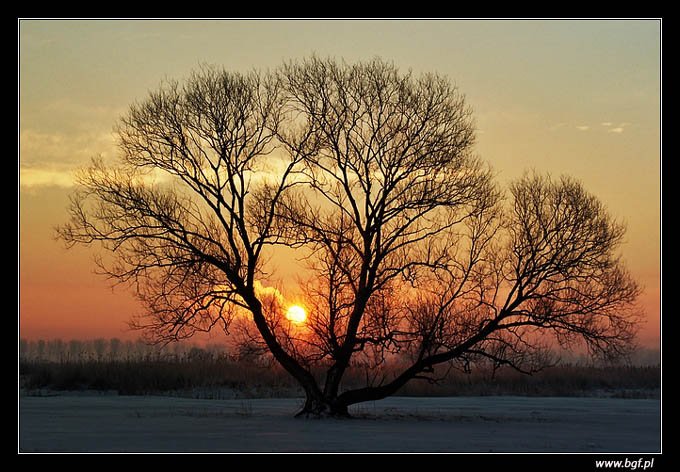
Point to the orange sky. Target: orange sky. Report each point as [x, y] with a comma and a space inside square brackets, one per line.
[575, 97]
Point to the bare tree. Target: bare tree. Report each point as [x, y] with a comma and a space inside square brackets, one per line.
[413, 252]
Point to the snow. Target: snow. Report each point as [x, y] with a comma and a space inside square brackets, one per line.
[110, 423]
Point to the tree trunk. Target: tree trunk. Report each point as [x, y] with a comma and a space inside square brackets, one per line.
[317, 406]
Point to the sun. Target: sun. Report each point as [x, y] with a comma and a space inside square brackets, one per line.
[296, 314]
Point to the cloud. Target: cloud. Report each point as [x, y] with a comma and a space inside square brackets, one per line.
[272, 292]
[619, 129]
[49, 159]
[557, 126]
[267, 294]
[36, 147]
[610, 127]
[43, 177]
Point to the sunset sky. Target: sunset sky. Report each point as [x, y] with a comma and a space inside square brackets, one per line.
[576, 97]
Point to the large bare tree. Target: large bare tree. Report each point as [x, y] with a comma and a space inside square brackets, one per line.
[414, 257]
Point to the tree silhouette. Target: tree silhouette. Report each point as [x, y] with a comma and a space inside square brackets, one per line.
[414, 255]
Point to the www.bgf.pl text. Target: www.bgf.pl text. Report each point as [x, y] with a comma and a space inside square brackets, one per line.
[641, 464]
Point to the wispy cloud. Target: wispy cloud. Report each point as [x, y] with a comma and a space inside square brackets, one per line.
[40, 149]
[43, 177]
[609, 126]
[619, 129]
[557, 126]
[49, 159]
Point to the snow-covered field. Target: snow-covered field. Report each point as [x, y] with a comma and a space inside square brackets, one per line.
[109, 423]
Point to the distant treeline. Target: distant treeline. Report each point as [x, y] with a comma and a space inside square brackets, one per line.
[114, 349]
[136, 368]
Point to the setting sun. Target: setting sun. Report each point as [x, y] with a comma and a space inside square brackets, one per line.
[296, 314]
